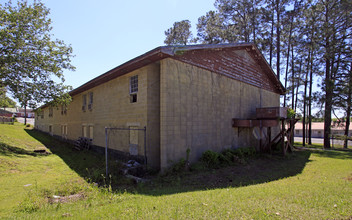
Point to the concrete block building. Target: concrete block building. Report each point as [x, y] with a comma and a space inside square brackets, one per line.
[185, 96]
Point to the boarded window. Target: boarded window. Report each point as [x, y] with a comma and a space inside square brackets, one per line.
[63, 109]
[84, 131]
[84, 103]
[51, 129]
[90, 101]
[64, 131]
[91, 132]
[51, 112]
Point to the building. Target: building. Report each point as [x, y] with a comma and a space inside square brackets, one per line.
[318, 130]
[185, 96]
[29, 113]
[6, 113]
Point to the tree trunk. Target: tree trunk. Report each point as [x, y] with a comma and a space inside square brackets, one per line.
[278, 32]
[288, 59]
[271, 40]
[310, 99]
[25, 114]
[328, 86]
[298, 83]
[293, 81]
[304, 129]
[348, 113]
[328, 105]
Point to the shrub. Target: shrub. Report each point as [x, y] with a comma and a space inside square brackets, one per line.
[210, 158]
[179, 166]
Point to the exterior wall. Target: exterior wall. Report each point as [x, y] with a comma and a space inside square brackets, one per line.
[197, 107]
[112, 108]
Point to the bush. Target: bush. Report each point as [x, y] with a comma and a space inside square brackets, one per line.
[210, 158]
[179, 166]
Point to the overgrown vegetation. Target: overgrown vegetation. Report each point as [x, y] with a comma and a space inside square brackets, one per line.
[63, 183]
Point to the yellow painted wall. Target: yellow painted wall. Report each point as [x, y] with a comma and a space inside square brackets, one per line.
[112, 108]
[181, 105]
[197, 107]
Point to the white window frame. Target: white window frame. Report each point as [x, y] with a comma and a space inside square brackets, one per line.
[134, 84]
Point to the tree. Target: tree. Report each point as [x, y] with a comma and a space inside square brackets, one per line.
[241, 19]
[5, 101]
[211, 29]
[29, 58]
[179, 34]
[335, 34]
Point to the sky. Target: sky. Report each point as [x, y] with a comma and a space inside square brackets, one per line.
[106, 33]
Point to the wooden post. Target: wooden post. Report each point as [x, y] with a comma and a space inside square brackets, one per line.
[269, 138]
[283, 136]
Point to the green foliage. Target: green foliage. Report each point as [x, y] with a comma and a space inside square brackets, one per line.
[179, 166]
[290, 113]
[29, 58]
[5, 101]
[179, 34]
[210, 158]
[213, 159]
[210, 28]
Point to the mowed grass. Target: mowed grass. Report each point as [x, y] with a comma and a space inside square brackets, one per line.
[337, 145]
[306, 185]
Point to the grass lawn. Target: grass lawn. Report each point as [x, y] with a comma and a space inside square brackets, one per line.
[310, 184]
[321, 146]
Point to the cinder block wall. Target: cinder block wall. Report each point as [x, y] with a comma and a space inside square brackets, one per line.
[197, 107]
[112, 108]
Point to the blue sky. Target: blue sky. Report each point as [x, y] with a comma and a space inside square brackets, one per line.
[107, 33]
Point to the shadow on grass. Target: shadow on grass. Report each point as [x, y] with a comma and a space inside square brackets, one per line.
[11, 151]
[264, 168]
[88, 165]
[261, 169]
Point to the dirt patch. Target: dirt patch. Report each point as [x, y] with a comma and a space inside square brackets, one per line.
[349, 178]
[42, 151]
[66, 199]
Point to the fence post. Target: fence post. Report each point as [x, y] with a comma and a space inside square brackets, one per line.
[106, 150]
[145, 145]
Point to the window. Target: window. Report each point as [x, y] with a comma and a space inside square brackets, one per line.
[51, 129]
[133, 88]
[84, 131]
[88, 131]
[84, 102]
[133, 98]
[63, 110]
[90, 101]
[51, 112]
[134, 84]
[91, 132]
[64, 131]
